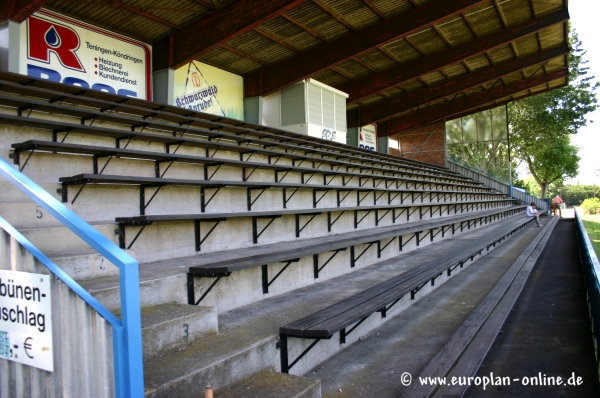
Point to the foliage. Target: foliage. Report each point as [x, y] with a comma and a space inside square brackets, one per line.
[488, 157]
[531, 187]
[541, 124]
[552, 161]
[574, 195]
[591, 206]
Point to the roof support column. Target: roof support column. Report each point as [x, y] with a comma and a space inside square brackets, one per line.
[9, 46]
[163, 82]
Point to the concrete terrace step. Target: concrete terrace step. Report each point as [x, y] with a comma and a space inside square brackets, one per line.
[11, 194]
[173, 326]
[27, 214]
[272, 384]
[169, 277]
[248, 336]
[218, 360]
[158, 285]
[57, 239]
[85, 264]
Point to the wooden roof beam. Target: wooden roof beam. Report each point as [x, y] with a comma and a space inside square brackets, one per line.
[289, 71]
[19, 10]
[382, 127]
[502, 103]
[390, 77]
[383, 110]
[221, 27]
[460, 105]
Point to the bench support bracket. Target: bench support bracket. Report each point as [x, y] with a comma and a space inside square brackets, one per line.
[316, 267]
[285, 365]
[265, 274]
[192, 292]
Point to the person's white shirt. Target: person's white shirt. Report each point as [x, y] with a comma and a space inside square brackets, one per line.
[530, 211]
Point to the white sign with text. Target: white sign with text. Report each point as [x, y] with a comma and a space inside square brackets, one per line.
[368, 137]
[26, 319]
[64, 50]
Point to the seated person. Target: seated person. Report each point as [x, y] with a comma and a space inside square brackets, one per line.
[533, 212]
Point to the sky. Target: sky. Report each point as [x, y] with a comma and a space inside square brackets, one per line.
[584, 18]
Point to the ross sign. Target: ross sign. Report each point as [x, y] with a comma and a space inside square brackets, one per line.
[26, 319]
[367, 137]
[64, 50]
[204, 88]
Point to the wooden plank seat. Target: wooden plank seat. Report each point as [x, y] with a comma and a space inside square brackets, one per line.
[289, 253]
[173, 142]
[107, 103]
[347, 314]
[98, 152]
[25, 104]
[397, 211]
[144, 183]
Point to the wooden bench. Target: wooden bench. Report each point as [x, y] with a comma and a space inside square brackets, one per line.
[145, 183]
[293, 251]
[108, 103]
[175, 140]
[397, 210]
[216, 140]
[159, 158]
[347, 314]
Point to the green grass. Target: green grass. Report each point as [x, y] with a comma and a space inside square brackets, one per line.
[592, 227]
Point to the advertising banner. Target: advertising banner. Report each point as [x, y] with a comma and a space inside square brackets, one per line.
[65, 50]
[367, 137]
[204, 88]
[26, 319]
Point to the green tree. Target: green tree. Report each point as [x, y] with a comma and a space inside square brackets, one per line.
[552, 160]
[574, 195]
[489, 157]
[541, 125]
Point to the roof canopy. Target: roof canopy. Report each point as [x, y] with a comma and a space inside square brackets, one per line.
[404, 63]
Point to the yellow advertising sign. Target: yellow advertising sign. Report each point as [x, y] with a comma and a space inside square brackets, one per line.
[204, 88]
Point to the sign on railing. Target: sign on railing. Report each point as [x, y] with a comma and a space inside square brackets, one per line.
[26, 319]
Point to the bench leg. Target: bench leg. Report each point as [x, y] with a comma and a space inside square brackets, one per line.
[283, 346]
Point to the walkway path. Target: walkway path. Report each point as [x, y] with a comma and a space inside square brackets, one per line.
[549, 331]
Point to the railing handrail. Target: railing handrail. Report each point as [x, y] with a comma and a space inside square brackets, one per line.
[591, 268]
[468, 166]
[508, 189]
[127, 343]
[588, 244]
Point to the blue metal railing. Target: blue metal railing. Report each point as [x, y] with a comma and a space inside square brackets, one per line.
[591, 273]
[527, 198]
[127, 334]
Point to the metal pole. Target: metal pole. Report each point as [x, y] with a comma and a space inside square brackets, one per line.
[509, 159]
